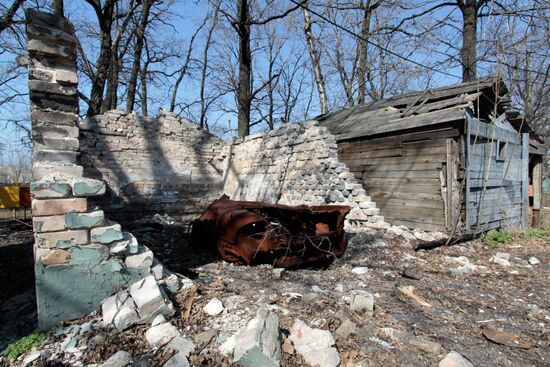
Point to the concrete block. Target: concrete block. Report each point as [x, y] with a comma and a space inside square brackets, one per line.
[53, 118]
[41, 170]
[49, 190]
[58, 206]
[84, 187]
[141, 260]
[314, 345]
[63, 239]
[127, 245]
[53, 88]
[106, 234]
[150, 299]
[362, 301]
[84, 220]
[65, 144]
[162, 334]
[51, 256]
[43, 48]
[54, 156]
[119, 310]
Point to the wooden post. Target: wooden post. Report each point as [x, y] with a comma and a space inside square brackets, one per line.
[524, 180]
[537, 190]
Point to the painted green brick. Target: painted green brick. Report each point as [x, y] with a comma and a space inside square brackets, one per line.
[88, 187]
[84, 220]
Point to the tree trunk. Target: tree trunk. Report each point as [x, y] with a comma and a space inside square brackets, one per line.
[244, 93]
[469, 39]
[143, 85]
[58, 8]
[103, 62]
[140, 36]
[105, 19]
[205, 68]
[315, 61]
[363, 48]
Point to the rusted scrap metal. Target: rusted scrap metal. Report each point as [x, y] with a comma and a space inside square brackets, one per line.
[251, 233]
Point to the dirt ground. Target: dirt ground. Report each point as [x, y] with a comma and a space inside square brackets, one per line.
[452, 310]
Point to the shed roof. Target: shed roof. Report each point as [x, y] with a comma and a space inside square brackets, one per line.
[417, 109]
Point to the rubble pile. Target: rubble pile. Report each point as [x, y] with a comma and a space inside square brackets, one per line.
[381, 304]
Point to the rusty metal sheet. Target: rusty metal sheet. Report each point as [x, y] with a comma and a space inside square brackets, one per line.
[252, 233]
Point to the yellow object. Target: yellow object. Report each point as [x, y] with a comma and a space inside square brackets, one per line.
[9, 197]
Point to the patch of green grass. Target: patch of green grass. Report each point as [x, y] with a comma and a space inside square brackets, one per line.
[24, 345]
[495, 239]
[536, 233]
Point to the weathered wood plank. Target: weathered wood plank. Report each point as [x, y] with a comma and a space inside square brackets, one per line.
[490, 131]
[412, 166]
[405, 195]
[381, 202]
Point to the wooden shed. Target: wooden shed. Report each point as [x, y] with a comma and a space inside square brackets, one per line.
[441, 159]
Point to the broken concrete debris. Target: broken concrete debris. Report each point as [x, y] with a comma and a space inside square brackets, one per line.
[501, 258]
[258, 344]
[361, 301]
[316, 346]
[214, 307]
[144, 301]
[254, 233]
[119, 359]
[454, 359]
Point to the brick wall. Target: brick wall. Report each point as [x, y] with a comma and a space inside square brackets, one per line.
[151, 165]
[80, 256]
[296, 164]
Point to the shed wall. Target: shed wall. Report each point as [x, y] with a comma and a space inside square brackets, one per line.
[405, 175]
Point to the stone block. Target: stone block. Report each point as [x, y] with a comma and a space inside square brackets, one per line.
[54, 156]
[55, 102]
[141, 260]
[41, 170]
[47, 20]
[41, 74]
[67, 144]
[50, 190]
[127, 245]
[84, 187]
[84, 220]
[371, 211]
[51, 256]
[53, 118]
[63, 239]
[106, 234]
[58, 206]
[162, 334]
[150, 299]
[66, 76]
[119, 310]
[362, 301]
[367, 204]
[50, 49]
[50, 34]
[314, 345]
[52, 88]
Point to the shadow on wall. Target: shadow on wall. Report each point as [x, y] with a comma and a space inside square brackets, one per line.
[162, 165]
[266, 173]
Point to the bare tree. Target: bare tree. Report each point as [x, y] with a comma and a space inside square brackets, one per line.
[315, 63]
[6, 20]
[140, 37]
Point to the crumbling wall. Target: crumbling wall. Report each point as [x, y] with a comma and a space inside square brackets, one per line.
[80, 256]
[296, 164]
[151, 165]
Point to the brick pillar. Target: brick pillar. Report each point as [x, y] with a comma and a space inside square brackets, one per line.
[79, 255]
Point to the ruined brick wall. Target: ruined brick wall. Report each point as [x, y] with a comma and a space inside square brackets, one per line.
[151, 165]
[296, 164]
[80, 257]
